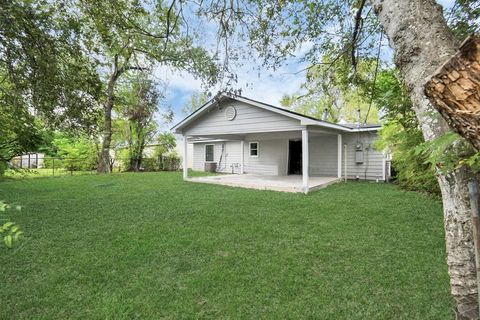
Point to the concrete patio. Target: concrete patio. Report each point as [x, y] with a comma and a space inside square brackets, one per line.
[291, 183]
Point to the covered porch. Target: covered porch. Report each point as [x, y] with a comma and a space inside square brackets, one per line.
[290, 161]
[290, 183]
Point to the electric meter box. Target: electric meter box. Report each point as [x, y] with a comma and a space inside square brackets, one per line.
[359, 153]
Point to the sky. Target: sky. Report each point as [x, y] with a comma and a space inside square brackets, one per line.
[264, 85]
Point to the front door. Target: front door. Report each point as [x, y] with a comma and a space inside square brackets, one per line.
[295, 157]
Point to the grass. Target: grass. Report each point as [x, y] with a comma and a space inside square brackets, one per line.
[150, 246]
[19, 174]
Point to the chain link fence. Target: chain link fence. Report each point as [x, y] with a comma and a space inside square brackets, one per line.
[57, 166]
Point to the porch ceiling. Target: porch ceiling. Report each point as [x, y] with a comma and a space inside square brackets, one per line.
[259, 135]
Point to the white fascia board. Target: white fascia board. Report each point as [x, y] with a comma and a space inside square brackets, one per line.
[311, 122]
[207, 141]
[366, 129]
[192, 116]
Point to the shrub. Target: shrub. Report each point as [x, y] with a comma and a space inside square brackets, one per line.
[412, 171]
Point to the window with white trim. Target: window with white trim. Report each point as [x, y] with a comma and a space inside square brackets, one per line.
[254, 148]
[209, 152]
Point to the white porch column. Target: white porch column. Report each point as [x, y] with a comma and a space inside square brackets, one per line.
[384, 168]
[305, 156]
[242, 157]
[339, 156]
[185, 161]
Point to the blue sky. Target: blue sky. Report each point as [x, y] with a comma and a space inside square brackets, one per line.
[264, 85]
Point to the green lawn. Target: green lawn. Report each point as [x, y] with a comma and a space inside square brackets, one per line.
[150, 246]
[41, 173]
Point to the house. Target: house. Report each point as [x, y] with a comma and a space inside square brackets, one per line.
[255, 140]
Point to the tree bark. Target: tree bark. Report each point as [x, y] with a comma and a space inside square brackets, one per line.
[422, 42]
[104, 161]
[454, 90]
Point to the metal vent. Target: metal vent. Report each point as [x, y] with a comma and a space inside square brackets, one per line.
[230, 113]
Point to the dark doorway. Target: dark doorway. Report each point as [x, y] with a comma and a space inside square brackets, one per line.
[295, 157]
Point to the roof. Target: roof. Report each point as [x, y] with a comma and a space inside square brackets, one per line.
[305, 120]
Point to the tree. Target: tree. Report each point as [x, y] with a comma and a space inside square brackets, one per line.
[422, 41]
[197, 99]
[330, 94]
[43, 75]
[77, 153]
[166, 143]
[137, 105]
[131, 36]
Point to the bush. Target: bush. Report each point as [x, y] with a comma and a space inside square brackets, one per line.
[170, 162]
[412, 170]
[150, 164]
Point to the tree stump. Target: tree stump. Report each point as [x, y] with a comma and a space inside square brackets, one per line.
[454, 90]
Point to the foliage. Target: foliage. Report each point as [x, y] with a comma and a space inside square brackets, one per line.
[401, 135]
[412, 171]
[333, 93]
[137, 106]
[197, 100]
[464, 18]
[10, 231]
[166, 143]
[77, 153]
[449, 152]
[210, 251]
[132, 36]
[43, 74]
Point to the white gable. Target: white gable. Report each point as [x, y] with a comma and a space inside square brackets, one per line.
[235, 117]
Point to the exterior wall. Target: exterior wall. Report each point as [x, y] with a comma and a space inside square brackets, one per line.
[273, 156]
[29, 160]
[372, 167]
[271, 160]
[323, 155]
[230, 156]
[248, 119]
[179, 150]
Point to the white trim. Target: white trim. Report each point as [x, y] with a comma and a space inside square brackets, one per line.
[207, 141]
[250, 149]
[305, 160]
[345, 157]
[288, 157]
[242, 157]
[339, 155]
[205, 152]
[384, 169]
[185, 154]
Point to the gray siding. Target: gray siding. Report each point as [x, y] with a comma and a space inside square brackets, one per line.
[248, 119]
[271, 160]
[372, 167]
[323, 155]
[273, 156]
[231, 156]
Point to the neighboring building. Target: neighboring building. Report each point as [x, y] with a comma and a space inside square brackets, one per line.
[29, 161]
[234, 134]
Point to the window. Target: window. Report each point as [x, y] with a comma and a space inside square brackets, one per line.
[253, 149]
[209, 152]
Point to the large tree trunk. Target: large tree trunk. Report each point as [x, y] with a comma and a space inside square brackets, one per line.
[423, 42]
[104, 161]
[455, 91]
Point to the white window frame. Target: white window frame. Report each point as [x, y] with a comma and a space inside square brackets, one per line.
[205, 152]
[250, 149]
